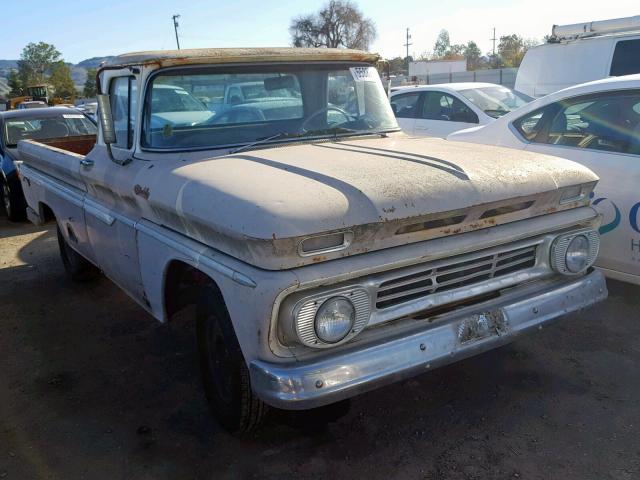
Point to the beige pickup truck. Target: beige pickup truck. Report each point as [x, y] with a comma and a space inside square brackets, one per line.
[326, 252]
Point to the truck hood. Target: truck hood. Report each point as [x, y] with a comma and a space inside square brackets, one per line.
[259, 205]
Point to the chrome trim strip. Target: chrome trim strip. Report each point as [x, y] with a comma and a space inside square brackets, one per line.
[165, 236]
[95, 210]
[67, 192]
[303, 385]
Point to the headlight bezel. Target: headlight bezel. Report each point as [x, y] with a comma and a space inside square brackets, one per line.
[560, 247]
[304, 316]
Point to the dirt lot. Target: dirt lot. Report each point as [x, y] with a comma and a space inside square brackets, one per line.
[92, 387]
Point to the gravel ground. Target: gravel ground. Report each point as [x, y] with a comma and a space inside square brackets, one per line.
[92, 387]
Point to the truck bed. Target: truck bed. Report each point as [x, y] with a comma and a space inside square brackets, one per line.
[80, 144]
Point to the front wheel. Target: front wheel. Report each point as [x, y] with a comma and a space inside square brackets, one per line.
[225, 375]
[13, 202]
[76, 266]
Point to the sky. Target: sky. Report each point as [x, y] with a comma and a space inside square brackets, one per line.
[85, 28]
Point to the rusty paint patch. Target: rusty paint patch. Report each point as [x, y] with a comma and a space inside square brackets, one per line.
[141, 191]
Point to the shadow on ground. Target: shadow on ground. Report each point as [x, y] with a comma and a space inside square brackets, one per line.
[93, 387]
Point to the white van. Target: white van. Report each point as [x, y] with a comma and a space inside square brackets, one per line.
[581, 53]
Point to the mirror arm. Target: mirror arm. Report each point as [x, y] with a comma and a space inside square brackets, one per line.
[124, 162]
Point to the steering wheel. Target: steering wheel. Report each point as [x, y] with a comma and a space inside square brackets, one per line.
[322, 110]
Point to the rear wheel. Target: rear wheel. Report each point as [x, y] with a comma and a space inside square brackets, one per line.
[76, 266]
[225, 375]
[14, 205]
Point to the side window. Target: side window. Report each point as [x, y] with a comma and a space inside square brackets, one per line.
[405, 106]
[123, 93]
[626, 58]
[530, 126]
[607, 121]
[445, 107]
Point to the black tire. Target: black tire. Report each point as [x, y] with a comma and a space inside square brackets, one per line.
[77, 267]
[14, 204]
[225, 376]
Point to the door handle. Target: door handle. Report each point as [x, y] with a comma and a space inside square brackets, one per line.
[422, 128]
[86, 163]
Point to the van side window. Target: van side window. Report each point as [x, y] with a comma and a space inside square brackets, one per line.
[405, 106]
[626, 58]
[122, 91]
[608, 121]
[442, 106]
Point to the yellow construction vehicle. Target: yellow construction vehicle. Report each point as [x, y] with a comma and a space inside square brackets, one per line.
[41, 92]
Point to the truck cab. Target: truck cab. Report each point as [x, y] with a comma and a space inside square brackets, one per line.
[326, 253]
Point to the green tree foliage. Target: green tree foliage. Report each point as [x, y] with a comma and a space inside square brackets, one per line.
[61, 80]
[36, 62]
[512, 49]
[338, 24]
[90, 84]
[443, 44]
[473, 55]
[15, 85]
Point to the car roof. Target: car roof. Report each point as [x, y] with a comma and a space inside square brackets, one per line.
[41, 112]
[623, 82]
[448, 87]
[165, 58]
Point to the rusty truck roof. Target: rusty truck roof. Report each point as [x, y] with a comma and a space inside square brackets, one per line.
[164, 58]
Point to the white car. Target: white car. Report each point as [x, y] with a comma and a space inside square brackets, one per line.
[598, 125]
[438, 110]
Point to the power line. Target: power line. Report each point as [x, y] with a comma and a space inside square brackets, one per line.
[175, 27]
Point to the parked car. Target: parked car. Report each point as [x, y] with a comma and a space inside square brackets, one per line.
[438, 110]
[581, 53]
[56, 126]
[598, 125]
[326, 253]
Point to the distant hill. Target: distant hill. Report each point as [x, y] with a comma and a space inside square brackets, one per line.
[78, 71]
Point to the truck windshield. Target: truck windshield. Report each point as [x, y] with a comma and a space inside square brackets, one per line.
[42, 127]
[496, 101]
[195, 109]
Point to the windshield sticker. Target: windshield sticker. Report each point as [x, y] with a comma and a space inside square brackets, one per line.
[66, 115]
[363, 74]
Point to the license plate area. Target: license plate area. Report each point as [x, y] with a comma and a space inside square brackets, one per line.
[482, 325]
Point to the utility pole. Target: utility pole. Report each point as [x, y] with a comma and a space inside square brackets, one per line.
[408, 45]
[494, 41]
[175, 27]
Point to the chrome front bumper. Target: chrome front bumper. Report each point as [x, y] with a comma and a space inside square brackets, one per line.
[304, 385]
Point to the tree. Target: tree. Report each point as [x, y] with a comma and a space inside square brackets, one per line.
[443, 45]
[338, 24]
[90, 84]
[15, 85]
[473, 55]
[512, 49]
[36, 62]
[61, 80]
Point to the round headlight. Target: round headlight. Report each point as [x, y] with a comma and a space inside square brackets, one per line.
[577, 256]
[335, 319]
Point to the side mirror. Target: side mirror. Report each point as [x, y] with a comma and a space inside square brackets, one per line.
[106, 119]
[108, 128]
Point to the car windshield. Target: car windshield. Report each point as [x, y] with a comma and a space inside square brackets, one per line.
[44, 127]
[496, 101]
[242, 106]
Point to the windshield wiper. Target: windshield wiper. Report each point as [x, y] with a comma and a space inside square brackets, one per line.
[260, 141]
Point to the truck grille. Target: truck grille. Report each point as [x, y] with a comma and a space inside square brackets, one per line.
[454, 275]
